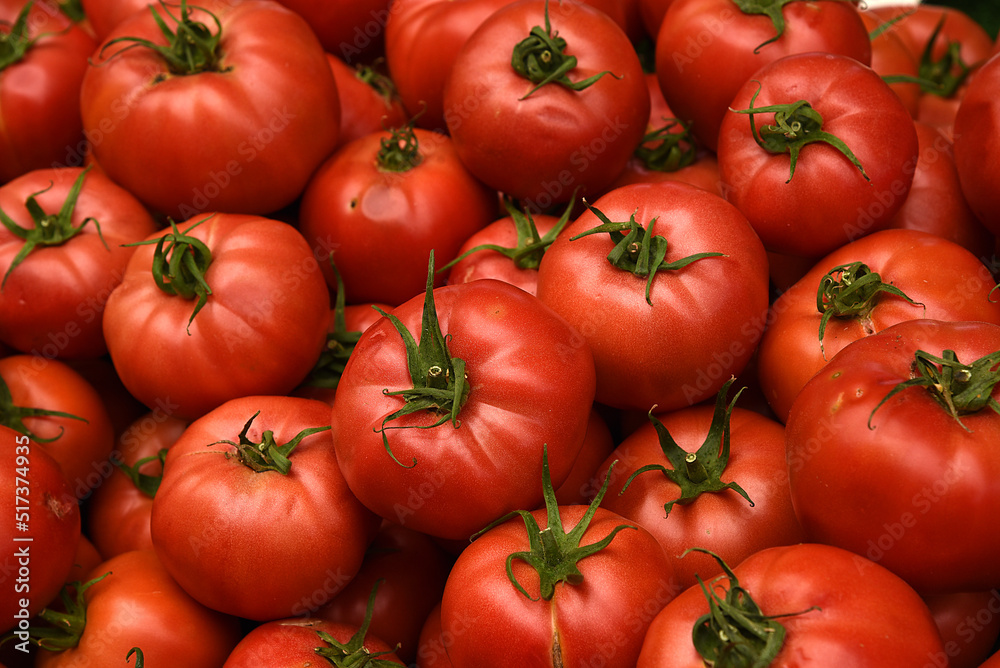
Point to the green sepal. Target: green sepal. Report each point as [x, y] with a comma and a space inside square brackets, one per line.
[180, 262]
[439, 382]
[17, 41]
[267, 455]
[772, 9]
[541, 59]
[65, 628]
[140, 660]
[673, 151]
[49, 229]
[961, 389]
[353, 654]
[942, 77]
[795, 125]
[851, 291]
[400, 151]
[735, 632]
[701, 471]
[553, 553]
[340, 343]
[13, 416]
[639, 251]
[530, 247]
[192, 46]
[145, 483]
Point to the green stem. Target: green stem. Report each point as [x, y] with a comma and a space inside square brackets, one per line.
[13, 416]
[944, 76]
[353, 654]
[672, 150]
[145, 483]
[65, 628]
[339, 344]
[267, 455]
[772, 9]
[400, 151]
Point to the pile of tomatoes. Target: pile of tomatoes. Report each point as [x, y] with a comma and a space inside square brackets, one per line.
[577, 333]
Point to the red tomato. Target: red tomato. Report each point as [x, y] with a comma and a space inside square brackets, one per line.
[834, 606]
[529, 381]
[432, 651]
[707, 49]
[387, 200]
[85, 559]
[562, 565]
[104, 15]
[969, 623]
[368, 100]
[822, 200]
[737, 449]
[138, 604]
[578, 487]
[623, 312]
[410, 570]
[791, 350]
[259, 330]
[537, 139]
[892, 57]
[977, 144]
[41, 533]
[58, 270]
[910, 473]
[118, 512]
[223, 511]
[351, 29]
[294, 642]
[78, 432]
[39, 88]
[242, 133]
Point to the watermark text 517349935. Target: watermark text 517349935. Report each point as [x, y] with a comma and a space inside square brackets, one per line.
[22, 541]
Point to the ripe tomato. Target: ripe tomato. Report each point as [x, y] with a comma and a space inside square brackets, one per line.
[977, 144]
[895, 478]
[623, 311]
[858, 304]
[386, 200]
[810, 203]
[61, 412]
[833, 606]
[707, 49]
[243, 114]
[368, 100]
[63, 249]
[969, 623]
[41, 533]
[257, 328]
[350, 29]
[45, 57]
[525, 112]
[138, 604]
[103, 15]
[499, 374]
[892, 57]
[241, 487]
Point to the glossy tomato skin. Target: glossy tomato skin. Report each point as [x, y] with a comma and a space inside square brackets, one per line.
[245, 139]
[373, 218]
[958, 288]
[723, 522]
[292, 643]
[828, 201]
[862, 608]
[969, 623]
[40, 499]
[541, 147]
[81, 446]
[53, 300]
[260, 331]
[39, 95]
[629, 581]
[139, 605]
[713, 41]
[915, 480]
[432, 652]
[351, 29]
[712, 332]
[103, 15]
[531, 381]
[215, 521]
[364, 109]
[977, 128]
[892, 56]
[118, 512]
[580, 486]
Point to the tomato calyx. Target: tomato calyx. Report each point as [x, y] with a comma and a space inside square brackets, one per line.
[439, 382]
[145, 483]
[772, 9]
[701, 471]
[735, 632]
[66, 627]
[180, 262]
[13, 416]
[942, 77]
[541, 59]
[961, 389]
[267, 455]
[383, 85]
[663, 150]
[49, 229]
[851, 291]
[400, 151]
[353, 653]
[192, 47]
[531, 246]
[15, 42]
[140, 660]
[340, 344]
[73, 10]
[795, 125]
[640, 251]
[553, 553]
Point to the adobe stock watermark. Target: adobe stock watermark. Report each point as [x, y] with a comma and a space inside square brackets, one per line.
[22, 539]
